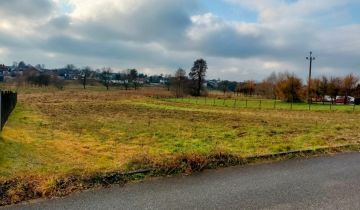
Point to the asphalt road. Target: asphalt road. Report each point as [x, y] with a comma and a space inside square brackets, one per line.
[318, 183]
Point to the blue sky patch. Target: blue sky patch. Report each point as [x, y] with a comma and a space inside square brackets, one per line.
[228, 11]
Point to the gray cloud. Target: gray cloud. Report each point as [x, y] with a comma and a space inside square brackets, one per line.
[25, 8]
[162, 35]
[153, 20]
[59, 23]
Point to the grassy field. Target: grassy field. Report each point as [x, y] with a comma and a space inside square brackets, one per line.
[55, 134]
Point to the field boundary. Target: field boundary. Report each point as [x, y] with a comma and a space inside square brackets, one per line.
[258, 103]
[24, 189]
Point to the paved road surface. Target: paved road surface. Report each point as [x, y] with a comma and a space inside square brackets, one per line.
[319, 183]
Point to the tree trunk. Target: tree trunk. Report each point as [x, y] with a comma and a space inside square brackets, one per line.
[84, 83]
[346, 97]
[199, 85]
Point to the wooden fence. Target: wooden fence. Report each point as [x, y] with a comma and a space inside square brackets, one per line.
[8, 101]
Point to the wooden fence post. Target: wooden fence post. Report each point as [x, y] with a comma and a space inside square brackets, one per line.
[260, 104]
[275, 104]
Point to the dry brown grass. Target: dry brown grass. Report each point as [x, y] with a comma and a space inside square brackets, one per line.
[57, 142]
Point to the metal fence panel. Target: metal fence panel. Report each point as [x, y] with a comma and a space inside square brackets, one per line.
[8, 102]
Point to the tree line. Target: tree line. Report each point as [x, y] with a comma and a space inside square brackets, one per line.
[289, 87]
[283, 86]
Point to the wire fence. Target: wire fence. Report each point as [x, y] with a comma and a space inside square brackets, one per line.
[8, 102]
[263, 104]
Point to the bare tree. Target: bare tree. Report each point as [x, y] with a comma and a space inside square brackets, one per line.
[179, 82]
[238, 88]
[106, 77]
[267, 87]
[70, 67]
[85, 74]
[58, 83]
[224, 86]
[349, 84]
[357, 91]
[334, 87]
[250, 87]
[168, 81]
[315, 89]
[323, 87]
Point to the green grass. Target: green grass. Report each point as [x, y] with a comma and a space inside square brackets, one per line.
[79, 132]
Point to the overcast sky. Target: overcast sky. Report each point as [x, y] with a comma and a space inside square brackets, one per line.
[240, 39]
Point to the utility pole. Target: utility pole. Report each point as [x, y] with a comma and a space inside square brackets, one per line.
[311, 59]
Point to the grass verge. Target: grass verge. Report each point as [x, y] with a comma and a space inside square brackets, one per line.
[26, 188]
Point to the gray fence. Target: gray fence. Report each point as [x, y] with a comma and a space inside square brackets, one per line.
[8, 101]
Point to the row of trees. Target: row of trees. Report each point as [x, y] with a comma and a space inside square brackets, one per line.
[284, 86]
[127, 79]
[34, 78]
[130, 78]
[289, 87]
[86, 77]
[181, 83]
[335, 86]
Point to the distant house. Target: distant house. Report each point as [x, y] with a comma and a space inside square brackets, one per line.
[213, 84]
[141, 80]
[19, 69]
[155, 79]
[158, 79]
[119, 82]
[4, 71]
[4, 68]
[69, 74]
[31, 71]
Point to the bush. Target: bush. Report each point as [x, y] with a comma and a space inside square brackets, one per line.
[289, 88]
